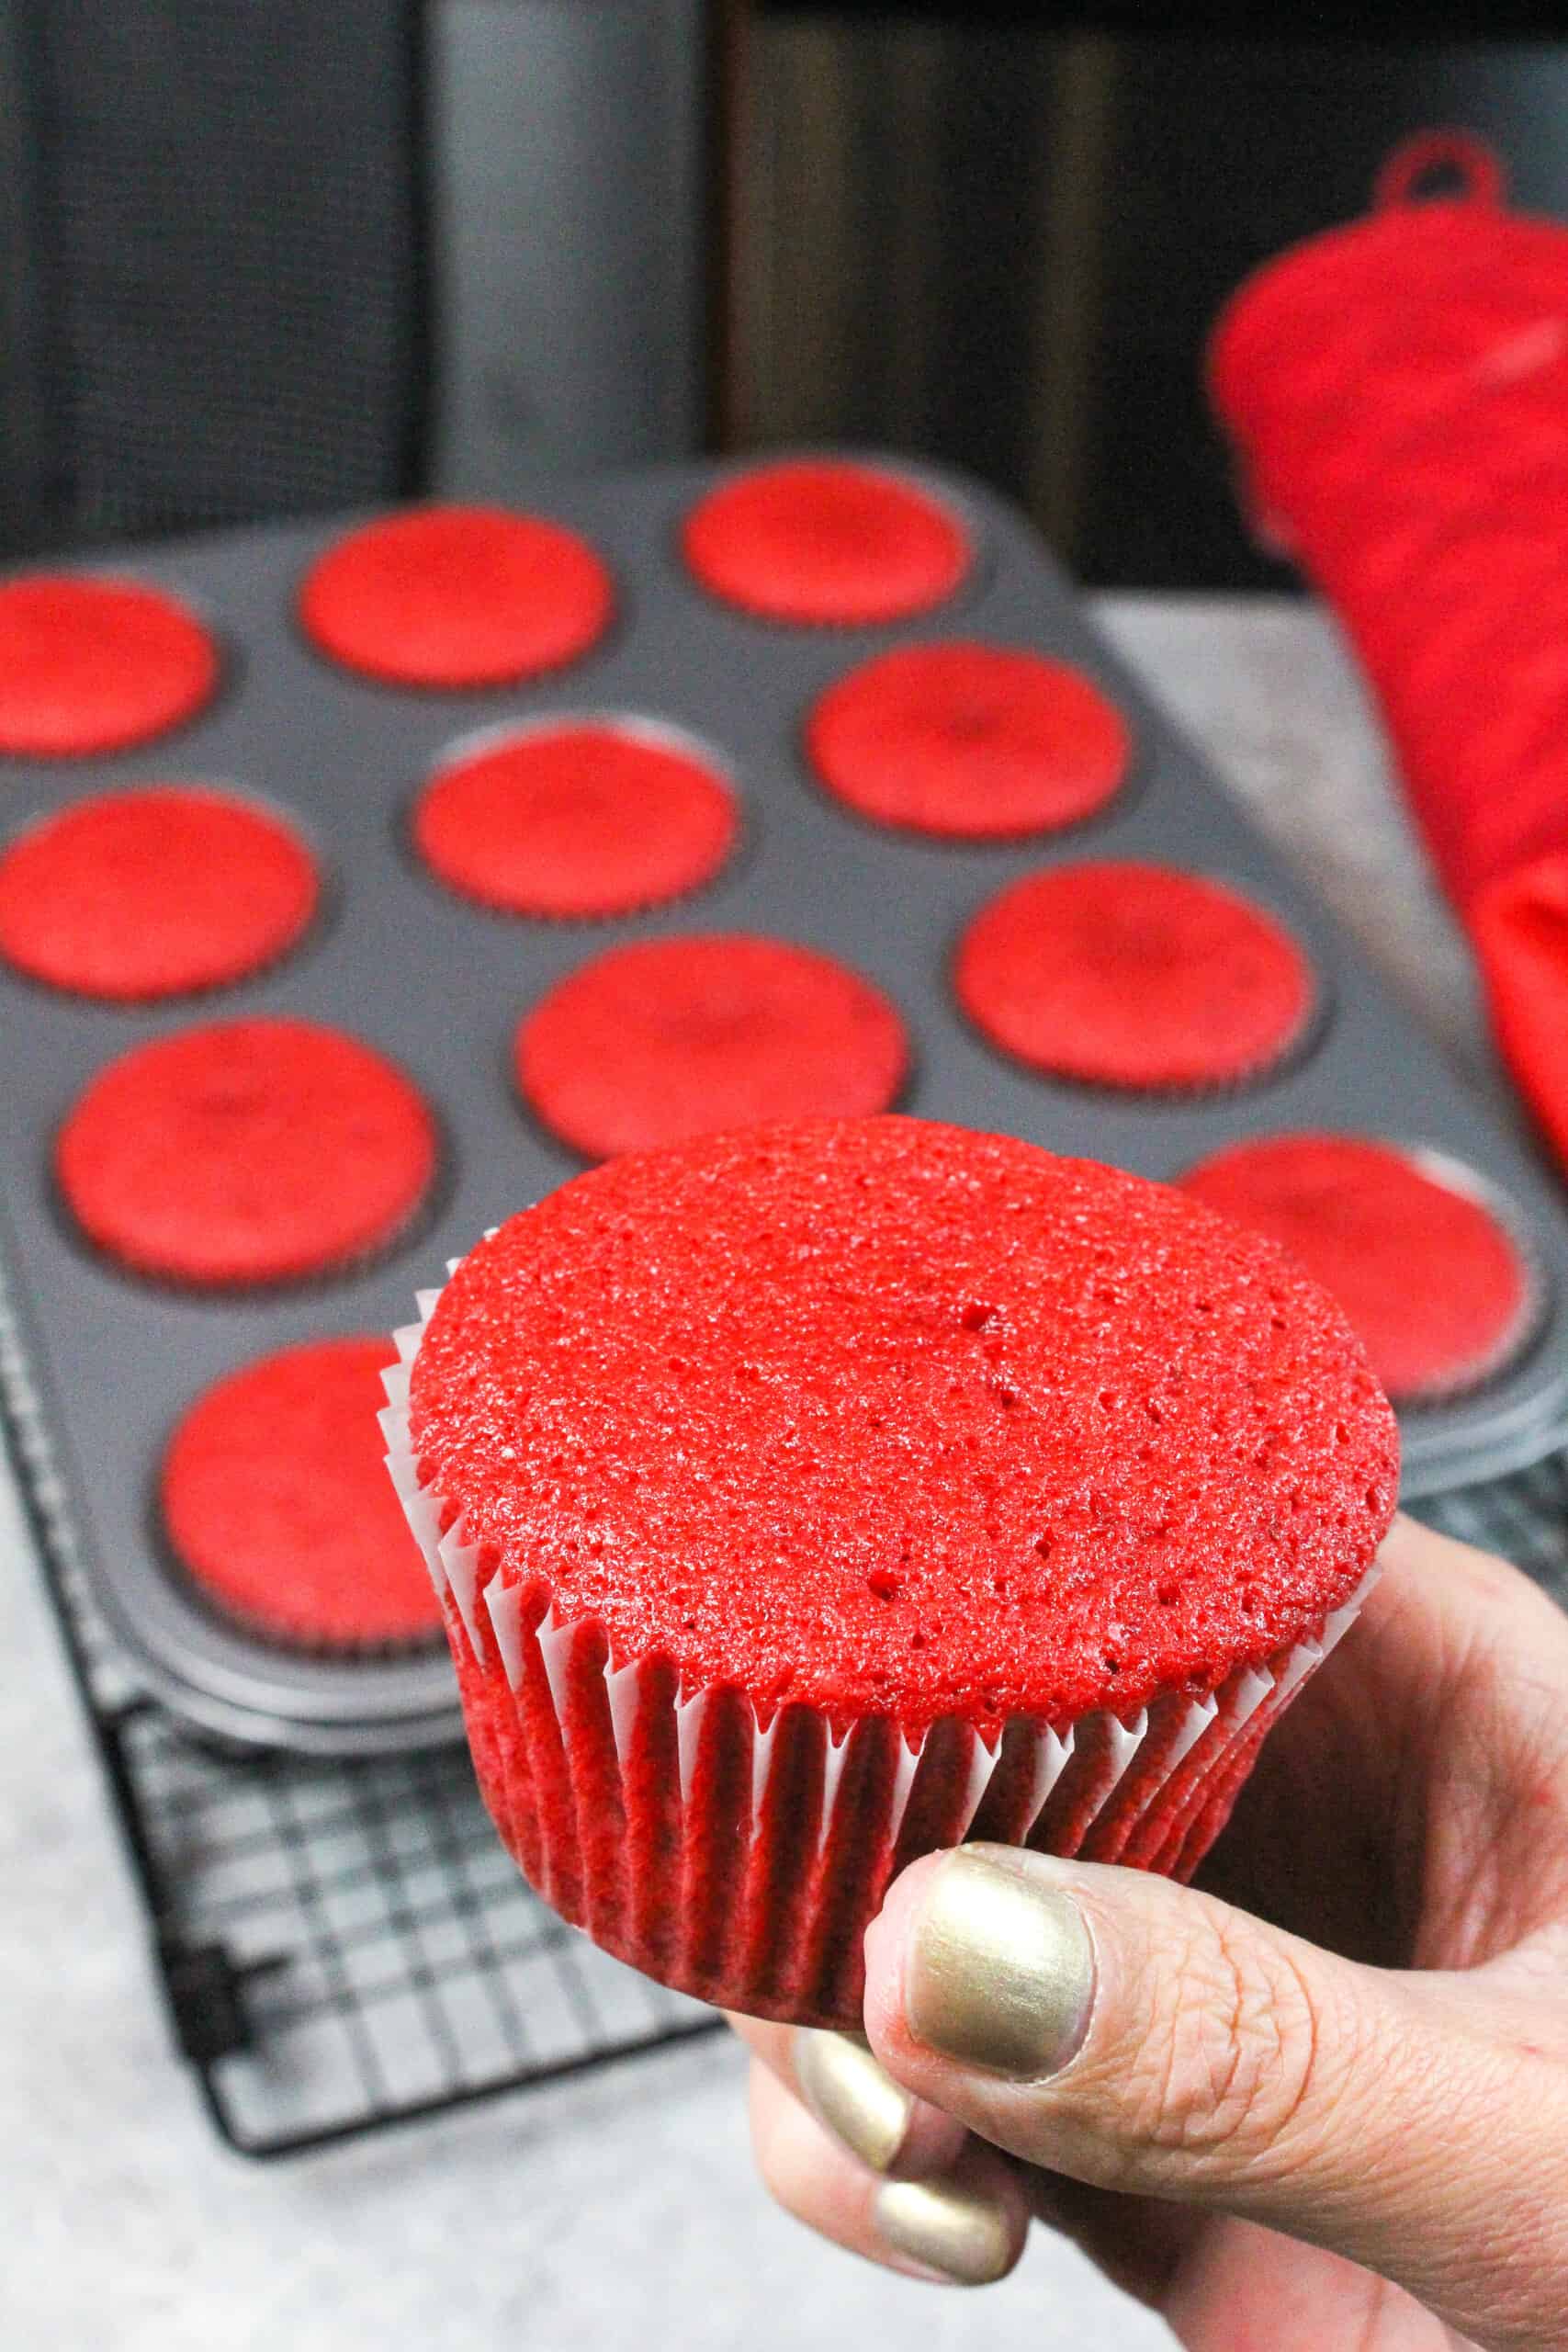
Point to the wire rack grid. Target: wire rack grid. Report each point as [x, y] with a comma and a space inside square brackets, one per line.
[344, 1946]
[341, 1945]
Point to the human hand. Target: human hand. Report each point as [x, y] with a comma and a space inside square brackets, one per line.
[1323, 2101]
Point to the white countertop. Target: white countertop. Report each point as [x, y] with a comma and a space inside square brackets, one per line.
[620, 2210]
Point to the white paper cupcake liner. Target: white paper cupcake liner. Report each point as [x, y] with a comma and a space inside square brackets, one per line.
[740, 1859]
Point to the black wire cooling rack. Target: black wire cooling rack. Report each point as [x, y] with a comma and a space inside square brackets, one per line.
[344, 1946]
[341, 1945]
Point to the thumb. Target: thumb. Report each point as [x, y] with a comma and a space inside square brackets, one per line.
[1140, 2036]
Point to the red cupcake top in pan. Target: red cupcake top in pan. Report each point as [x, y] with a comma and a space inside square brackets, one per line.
[969, 741]
[132, 896]
[277, 1503]
[246, 1151]
[817, 542]
[670, 1037]
[585, 817]
[456, 596]
[91, 666]
[1118, 973]
[1429, 1276]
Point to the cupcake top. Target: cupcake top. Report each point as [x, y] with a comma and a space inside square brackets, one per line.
[576, 819]
[246, 1151]
[669, 1038]
[1118, 973]
[969, 741]
[132, 896]
[815, 542]
[892, 1417]
[90, 665]
[277, 1503]
[453, 597]
[1360, 1217]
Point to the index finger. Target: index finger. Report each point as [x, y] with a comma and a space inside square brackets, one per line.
[837, 2081]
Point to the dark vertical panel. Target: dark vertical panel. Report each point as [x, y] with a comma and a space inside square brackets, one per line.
[990, 159]
[236, 254]
[1060, 350]
[27, 461]
[892, 175]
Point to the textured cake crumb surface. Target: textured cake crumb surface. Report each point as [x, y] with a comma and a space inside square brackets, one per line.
[889, 1416]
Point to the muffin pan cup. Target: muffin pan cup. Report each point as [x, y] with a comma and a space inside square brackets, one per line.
[106, 1365]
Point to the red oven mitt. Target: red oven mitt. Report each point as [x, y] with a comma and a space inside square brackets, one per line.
[1396, 393]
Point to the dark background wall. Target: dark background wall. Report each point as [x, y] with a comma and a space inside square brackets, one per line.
[1003, 246]
[234, 241]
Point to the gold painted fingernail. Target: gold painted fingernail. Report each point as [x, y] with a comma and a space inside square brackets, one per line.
[850, 2095]
[1001, 1971]
[943, 2227]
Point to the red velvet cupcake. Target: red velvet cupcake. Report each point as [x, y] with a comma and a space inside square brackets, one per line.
[1358, 1215]
[240, 1152]
[817, 543]
[1121, 973]
[669, 1038]
[276, 1504]
[576, 819]
[447, 597]
[132, 896]
[89, 665]
[808, 1497]
[969, 741]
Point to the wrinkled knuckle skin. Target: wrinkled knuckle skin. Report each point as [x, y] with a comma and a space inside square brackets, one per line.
[1229, 2077]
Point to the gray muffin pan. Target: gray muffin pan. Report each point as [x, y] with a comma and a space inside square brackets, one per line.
[102, 1365]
